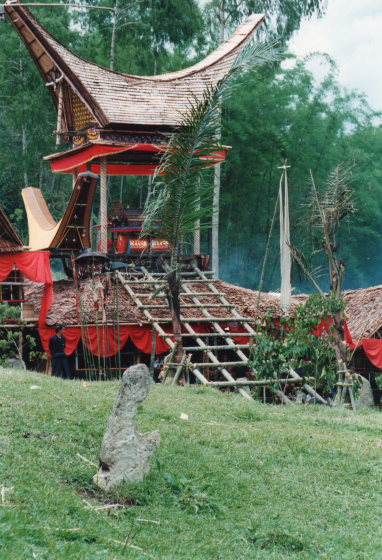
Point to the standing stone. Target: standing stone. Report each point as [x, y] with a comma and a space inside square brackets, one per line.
[126, 453]
[365, 397]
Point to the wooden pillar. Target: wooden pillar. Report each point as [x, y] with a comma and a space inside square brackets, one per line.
[103, 207]
[74, 177]
[59, 113]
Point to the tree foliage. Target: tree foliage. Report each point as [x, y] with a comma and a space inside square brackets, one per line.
[279, 112]
[281, 344]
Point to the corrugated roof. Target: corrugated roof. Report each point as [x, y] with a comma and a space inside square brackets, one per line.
[126, 99]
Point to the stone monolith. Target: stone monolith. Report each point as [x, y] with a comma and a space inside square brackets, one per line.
[125, 453]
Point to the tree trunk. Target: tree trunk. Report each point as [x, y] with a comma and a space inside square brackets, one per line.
[217, 171]
[113, 35]
[24, 143]
[173, 280]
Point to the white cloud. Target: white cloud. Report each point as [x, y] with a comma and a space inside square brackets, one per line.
[351, 32]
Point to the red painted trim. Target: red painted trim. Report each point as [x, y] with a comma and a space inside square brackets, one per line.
[66, 163]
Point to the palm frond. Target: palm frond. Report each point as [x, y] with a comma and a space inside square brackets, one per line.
[302, 263]
[330, 208]
[181, 196]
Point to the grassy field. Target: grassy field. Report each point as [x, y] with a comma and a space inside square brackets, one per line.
[237, 481]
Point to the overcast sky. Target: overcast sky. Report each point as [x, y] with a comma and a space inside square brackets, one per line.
[351, 32]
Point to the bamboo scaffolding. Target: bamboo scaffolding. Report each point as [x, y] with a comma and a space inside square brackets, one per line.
[157, 281]
[156, 325]
[202, 345]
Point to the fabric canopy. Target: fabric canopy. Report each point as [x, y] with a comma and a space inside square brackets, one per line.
[373, 350]
[34, 265]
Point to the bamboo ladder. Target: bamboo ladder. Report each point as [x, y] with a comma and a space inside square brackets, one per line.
[207, 288]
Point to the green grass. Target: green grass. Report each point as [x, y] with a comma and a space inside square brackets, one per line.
[237, 481]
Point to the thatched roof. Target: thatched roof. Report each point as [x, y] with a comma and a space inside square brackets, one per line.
[10, 241]
[114, 98]
[364, 306]
[364, 309]
[71, 308]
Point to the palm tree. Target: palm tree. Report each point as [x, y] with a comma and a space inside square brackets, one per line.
[181, 198]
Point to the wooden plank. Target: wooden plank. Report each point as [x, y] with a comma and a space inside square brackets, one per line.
[250, 383]
[224, 335]
[211, 319]
[187, 306]
[216, 347]
[218, 364]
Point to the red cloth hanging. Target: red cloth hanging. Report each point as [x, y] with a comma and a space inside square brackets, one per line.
[34, 265]
[142, 338]
[105, 341]
[72, 337]
[325, 324]
[373, 350]
[236, 329]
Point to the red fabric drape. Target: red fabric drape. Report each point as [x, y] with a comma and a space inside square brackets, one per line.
[105, 341]
[325, 325]
[373, 350]
[236, 329]
[77, 158]
[142, 337]
[72, 336]
[34, 265]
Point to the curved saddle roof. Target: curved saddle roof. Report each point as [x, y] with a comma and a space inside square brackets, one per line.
[72, 232]
[122, 99]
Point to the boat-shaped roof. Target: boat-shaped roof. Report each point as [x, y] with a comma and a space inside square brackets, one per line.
[116, 99]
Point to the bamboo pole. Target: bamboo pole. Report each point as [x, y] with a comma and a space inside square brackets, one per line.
[153, 350]
[179, 369]
[307, 387]
[256, 383]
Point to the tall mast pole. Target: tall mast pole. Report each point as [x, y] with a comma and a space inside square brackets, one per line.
[285, 254]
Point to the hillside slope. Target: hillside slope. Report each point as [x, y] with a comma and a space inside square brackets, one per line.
[237, 480]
